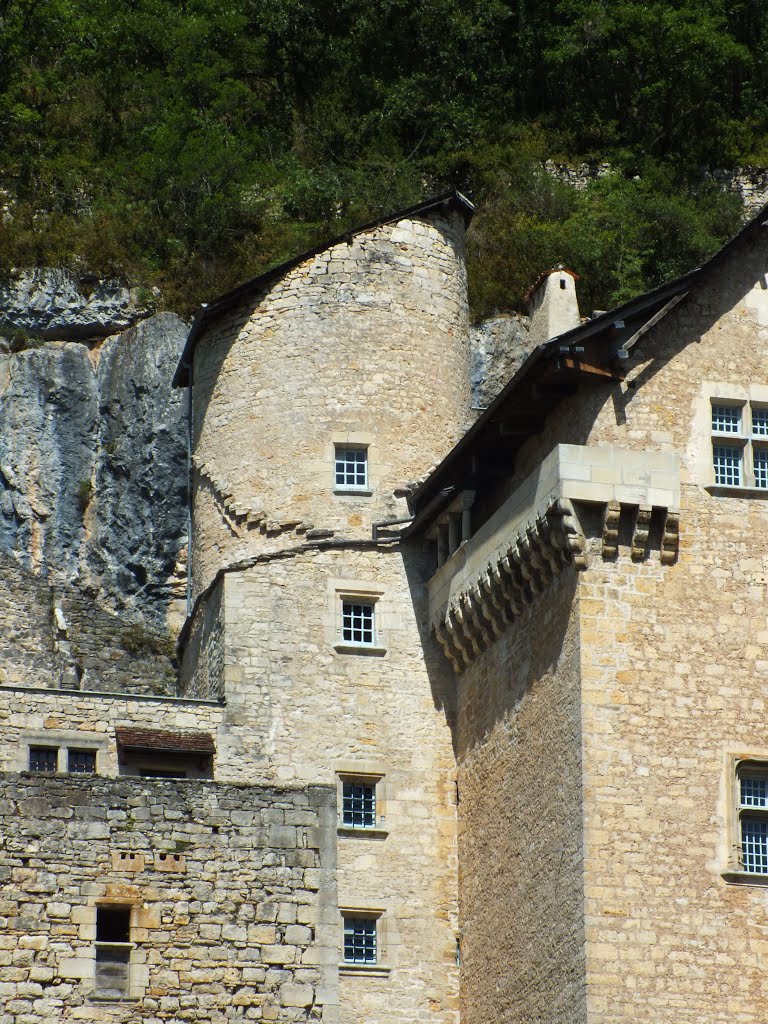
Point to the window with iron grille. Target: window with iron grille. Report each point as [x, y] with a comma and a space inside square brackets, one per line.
[360, 945]
[740, 444]
[358, 804]
[752, 811]
[82, 761]
[357, 622]
[351, 468]
[43, 759]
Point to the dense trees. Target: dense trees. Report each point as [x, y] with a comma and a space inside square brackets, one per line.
[189, 143]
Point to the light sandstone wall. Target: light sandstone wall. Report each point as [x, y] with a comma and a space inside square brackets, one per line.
[231, 893]
[79, 719]
[674, 666]
[520, 821]
[365, 343]
[298, 710]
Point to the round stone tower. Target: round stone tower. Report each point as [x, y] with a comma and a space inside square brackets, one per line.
[322, 388]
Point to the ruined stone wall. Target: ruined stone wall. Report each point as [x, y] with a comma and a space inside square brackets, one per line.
[364, 344]
[230, 891]
[673, 663]
[300, 708]
[55, 636]
[520, 825]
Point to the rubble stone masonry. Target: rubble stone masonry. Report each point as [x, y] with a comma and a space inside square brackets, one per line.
[229, 890]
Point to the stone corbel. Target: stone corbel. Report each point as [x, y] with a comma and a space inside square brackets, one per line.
[640, 532]
[611, 529]
[670, 537]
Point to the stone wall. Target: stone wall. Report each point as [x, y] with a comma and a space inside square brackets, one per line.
[364, 344]
[56, 636]
[230, 890]
[672, 666]
[300, 708]
[50, 717]
[520, 826]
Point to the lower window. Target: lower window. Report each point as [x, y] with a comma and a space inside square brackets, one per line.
[752, 784]
[113, 952]
[360, 940]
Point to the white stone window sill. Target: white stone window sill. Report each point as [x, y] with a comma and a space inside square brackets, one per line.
[359, 492]
[372, 650]
[373, 970]
[745, 877]
[729, 491]
[348, 832]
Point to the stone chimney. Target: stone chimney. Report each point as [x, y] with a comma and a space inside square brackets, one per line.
[552, 304]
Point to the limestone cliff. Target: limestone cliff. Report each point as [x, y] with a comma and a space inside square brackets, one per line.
[93, 474]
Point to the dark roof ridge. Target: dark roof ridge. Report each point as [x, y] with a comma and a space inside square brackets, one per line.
[181, 378]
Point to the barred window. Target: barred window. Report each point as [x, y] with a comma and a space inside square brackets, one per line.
[43, 759]
[357, 622]
[82, 761]
[740, 444]
[358, 804]
[752, 809]
[351, 468]
[727, 463]
[360, 940]
[726, 419]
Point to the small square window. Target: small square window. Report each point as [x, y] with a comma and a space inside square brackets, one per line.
[726, 419]
[357, 623]
[360, 946]
[81, 761]
[43, 759]
[358, 804]
[351, 468]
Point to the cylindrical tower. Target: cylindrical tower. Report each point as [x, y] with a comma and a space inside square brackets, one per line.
[321, 389]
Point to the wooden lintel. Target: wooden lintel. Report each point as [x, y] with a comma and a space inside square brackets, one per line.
[597, 371]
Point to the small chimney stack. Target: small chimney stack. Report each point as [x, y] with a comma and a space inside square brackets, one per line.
[552, 304]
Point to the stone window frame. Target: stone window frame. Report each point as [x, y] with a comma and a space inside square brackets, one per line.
[359, 592]
[745, 398]
[369, 773]
[353, 441]
[63, 741]
[738, 766]
[363, 910]
[82, 966]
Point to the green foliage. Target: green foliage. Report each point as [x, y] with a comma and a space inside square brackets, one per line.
[191, 143]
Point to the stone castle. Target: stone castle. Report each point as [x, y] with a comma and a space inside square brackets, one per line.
[469, 723]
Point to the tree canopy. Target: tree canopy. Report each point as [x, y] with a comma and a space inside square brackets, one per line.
[191, 143]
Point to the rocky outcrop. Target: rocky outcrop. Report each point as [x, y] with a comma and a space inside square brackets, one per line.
[93, 466]
[498, 347]
[50, 303]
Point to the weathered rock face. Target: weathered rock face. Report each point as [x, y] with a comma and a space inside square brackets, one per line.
[50, 303]
[93, 465]
[498, 347]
